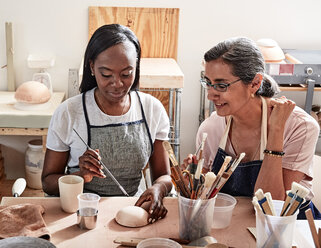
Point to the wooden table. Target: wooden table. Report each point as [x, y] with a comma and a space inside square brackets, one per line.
[65, 232]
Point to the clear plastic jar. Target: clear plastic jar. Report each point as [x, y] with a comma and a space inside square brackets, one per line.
[34, 163]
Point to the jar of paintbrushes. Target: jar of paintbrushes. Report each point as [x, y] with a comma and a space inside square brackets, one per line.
[275, 220]
[197, 192]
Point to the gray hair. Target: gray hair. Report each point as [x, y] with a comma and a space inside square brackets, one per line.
[246, 60]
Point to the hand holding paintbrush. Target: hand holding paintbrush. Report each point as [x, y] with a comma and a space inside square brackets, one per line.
[104, 166]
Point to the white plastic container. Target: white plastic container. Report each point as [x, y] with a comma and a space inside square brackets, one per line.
[275, 231]
[223, 210]
[158, 243]
[34, 158]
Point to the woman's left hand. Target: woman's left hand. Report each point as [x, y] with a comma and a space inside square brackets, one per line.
[281, 110]
[155, 195]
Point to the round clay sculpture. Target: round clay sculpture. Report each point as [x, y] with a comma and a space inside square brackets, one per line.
[132, 216]
[32, 92]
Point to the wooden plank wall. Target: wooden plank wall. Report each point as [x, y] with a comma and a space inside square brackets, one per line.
[156, 29]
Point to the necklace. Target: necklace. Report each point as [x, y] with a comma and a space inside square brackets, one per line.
[102, 106]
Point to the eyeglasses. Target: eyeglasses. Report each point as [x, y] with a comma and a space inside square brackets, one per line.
[222, 87]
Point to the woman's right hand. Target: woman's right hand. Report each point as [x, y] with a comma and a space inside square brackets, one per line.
[90, 166]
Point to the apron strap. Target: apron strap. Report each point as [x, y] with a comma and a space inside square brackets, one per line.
[223, 140]
[146, 124]
[86, 118]
[263, 128]
[225, 134]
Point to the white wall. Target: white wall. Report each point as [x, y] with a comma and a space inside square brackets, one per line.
[61, 27]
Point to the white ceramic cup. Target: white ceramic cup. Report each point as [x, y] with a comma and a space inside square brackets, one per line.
[70, 186]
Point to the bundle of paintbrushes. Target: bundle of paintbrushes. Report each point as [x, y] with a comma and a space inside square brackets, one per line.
[295, 198]
[197, 191]
[191, 183]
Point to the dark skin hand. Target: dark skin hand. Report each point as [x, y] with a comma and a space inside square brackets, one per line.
[161, 186]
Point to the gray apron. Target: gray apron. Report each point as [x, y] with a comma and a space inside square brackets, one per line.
[125, 148]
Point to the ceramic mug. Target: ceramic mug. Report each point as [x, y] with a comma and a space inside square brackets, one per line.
[70, 186]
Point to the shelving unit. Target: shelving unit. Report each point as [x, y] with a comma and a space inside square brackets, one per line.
[305, 75]
[164, 75]
[26, 123]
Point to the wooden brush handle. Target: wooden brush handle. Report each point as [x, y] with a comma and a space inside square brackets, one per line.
[179, 183]
[313, 230]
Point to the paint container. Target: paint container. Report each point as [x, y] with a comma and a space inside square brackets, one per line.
[158, 243]
[88, 210]
[275, 231]
[223, 210]
[195, 217]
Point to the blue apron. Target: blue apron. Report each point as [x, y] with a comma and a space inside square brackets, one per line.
[125, 148]
[243, 179]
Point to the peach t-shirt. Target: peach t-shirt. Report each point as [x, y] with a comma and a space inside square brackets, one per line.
[300, 138]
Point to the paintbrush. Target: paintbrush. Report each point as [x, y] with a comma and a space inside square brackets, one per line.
[212, 191]
[291, 194]
[256, 204]
[264, 203]
[295, 197]
[298, 199]
[196, 179]
[268, 197]
[209, 179]
[193, 166]
[105, 167]
[202, 146]
[313, 229]
[176, 170]
[227, 173]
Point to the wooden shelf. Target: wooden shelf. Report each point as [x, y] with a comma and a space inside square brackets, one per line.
[6, 189]
[289, 88]
[12, 117]
[160, 73]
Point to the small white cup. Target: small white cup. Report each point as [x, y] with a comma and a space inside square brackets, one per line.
[88, 210]
[70, 186]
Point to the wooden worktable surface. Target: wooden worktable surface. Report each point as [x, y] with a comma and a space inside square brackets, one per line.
[65, 232]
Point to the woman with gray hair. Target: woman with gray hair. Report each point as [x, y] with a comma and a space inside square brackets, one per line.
[277, 137]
